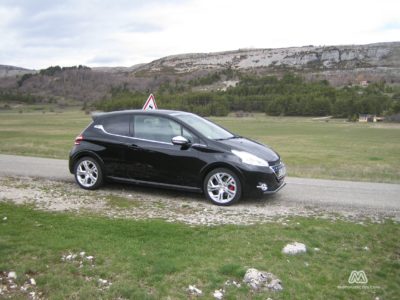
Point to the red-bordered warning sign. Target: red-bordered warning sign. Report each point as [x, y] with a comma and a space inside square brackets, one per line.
[150, 103]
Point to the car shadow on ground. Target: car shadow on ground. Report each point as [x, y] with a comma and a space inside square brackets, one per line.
[186, 196]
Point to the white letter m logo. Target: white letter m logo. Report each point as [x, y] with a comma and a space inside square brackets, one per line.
[358, 277]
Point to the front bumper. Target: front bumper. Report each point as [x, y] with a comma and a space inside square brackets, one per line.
[260, 181]
[266, 192]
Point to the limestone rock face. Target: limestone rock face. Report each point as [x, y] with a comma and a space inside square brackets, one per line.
[331, 57]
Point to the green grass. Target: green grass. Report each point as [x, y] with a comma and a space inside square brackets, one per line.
[41, 134]
[335, 149]
[157, 260]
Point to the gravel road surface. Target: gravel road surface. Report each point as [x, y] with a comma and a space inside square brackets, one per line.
[300, 196]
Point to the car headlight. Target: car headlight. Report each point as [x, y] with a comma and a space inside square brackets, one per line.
[250, 159]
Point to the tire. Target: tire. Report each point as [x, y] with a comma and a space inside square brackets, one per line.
[88, 173]
[222, 187]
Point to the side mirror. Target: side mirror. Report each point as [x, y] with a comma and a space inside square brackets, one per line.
[180, 141]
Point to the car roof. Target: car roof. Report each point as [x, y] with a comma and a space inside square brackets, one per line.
[100, 115]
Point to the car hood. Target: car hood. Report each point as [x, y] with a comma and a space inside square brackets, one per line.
[260, 150]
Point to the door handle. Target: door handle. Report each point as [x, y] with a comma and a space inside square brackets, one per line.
[134, 146]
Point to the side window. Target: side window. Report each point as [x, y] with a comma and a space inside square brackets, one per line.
[175, 127]
[156, 128]
[117, 125]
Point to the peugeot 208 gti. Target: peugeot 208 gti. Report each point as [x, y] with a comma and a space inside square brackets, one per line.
[174, 149]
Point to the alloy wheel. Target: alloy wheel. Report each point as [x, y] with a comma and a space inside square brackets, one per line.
[87, 173]
[222, 188]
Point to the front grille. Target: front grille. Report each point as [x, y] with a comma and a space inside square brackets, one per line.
[279, 169]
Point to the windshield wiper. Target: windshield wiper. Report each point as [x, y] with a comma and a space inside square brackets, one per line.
[229, 138]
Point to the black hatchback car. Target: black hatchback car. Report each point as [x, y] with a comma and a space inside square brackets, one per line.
[174, 149]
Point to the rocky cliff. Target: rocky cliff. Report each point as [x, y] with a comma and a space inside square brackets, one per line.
[309, 57]
[338, 64]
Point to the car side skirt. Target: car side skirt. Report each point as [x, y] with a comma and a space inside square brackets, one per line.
[157, 184]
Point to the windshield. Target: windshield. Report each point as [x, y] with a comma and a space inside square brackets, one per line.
[205, 127]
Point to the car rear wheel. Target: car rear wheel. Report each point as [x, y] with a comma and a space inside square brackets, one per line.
[222, 187]
[88, 173]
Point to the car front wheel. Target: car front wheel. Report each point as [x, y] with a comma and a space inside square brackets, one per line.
[88, 173]
[222, 187]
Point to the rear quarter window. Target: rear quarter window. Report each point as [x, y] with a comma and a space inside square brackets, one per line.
[116, 125]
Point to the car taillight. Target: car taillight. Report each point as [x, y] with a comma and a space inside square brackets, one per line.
[78, 139]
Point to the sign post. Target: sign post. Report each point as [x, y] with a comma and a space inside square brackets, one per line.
[150, 103]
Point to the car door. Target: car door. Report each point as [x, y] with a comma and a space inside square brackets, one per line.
[153, 158]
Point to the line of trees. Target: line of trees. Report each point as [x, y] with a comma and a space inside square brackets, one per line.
[290, 96]
[205, 104]
[6, 97]
[51, 71]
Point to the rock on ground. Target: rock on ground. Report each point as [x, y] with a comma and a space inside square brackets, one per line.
[294, 248]
[193, 290]
[218, 294]
[24, 288]
[261, 280]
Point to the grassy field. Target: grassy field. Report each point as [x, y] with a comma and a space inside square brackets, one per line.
[334, 149]
[157, 260]
[41, 134]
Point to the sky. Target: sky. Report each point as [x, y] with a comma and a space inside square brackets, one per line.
[37, 34]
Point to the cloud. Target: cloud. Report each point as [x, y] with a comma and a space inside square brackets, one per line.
[40, 33]
[105, 60]
[142, 27]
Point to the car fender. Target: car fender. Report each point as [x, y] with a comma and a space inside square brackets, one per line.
[206, 169]
[83, 153]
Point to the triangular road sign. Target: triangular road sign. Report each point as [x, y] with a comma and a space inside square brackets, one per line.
[150, 103]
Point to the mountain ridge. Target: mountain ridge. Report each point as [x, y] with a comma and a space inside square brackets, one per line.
[340, 65]
[329, 54]
[309, 57]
